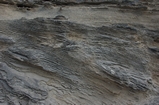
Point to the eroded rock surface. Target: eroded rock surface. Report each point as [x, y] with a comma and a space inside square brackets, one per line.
[63, 60]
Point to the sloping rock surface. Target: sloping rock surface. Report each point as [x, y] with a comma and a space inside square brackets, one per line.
[61, 61]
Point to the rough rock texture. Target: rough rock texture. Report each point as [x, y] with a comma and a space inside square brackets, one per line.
[105, 54]
[64, 1]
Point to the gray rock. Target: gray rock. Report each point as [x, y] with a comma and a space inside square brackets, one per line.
[75, 52]
[47, 49]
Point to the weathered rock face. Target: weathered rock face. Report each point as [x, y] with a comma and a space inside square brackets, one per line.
[62, 61]
[65, 1]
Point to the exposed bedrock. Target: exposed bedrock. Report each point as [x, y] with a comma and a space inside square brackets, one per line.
[25, 2]
[79, 52]
[50, 61]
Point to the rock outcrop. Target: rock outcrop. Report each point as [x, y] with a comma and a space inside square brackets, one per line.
[64, 60]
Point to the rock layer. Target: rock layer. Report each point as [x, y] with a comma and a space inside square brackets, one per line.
[57, 61]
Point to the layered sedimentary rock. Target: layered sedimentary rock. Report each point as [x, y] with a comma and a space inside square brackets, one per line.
[62, 59]
[64, 1]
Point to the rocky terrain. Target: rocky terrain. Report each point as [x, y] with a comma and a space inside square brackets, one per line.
[79, 52]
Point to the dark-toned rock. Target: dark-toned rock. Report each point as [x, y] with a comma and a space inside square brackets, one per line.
[154, 49]
[60, 17]
[31, 2]
[79, 52]
[75, 54]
